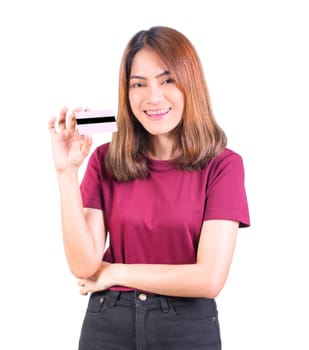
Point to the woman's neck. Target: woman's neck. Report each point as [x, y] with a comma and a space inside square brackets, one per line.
[161, 148]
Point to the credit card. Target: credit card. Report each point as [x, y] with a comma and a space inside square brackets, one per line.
[91, 122]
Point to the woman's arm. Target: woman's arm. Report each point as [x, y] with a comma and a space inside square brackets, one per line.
[206, 278]
[83, 230]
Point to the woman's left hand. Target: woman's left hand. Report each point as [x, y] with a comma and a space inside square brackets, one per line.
[101, 280]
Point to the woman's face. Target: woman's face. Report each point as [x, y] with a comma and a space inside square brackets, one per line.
[154, 98]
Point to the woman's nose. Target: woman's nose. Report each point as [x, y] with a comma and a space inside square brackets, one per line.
[155, 94]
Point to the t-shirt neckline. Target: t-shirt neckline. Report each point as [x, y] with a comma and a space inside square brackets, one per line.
[156, 164]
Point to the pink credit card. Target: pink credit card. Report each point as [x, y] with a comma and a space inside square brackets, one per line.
[91, 122]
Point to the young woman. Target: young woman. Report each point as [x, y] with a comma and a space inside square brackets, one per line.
[169, 193]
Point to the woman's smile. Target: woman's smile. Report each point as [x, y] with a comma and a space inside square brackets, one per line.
[157, 114]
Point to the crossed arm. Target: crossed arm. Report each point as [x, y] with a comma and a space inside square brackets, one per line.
[205, 278]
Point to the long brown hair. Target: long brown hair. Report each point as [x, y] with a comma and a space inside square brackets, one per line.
[198, 136]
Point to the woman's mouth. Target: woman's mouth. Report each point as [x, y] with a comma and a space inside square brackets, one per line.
[157, 113]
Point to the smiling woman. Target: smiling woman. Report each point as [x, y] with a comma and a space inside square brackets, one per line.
[169, 194]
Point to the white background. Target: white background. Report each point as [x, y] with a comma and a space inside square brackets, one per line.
[255, 56]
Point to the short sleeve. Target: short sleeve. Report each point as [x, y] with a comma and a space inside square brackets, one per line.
[226, 197]
[91, 189]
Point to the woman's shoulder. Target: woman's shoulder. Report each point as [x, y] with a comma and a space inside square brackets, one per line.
[225, 158]
[98, 154]
[227, 153]
[101, 150]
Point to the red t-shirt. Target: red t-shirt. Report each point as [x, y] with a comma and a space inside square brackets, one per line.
[158, 220]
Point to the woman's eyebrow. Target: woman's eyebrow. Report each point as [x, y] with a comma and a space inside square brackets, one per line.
[166, 72]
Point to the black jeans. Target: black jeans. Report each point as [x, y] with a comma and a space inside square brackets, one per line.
[139, 321]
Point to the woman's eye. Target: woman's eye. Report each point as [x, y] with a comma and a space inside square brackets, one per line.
[169, 81]
[137, 85]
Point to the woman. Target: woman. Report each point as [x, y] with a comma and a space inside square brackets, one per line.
[169, 193]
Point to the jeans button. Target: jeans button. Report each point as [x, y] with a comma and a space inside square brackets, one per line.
[142, 297]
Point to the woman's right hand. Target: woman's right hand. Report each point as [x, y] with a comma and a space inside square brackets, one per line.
[69, 147]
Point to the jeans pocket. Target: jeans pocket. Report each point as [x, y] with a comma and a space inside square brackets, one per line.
[195, 309]
[96, 303]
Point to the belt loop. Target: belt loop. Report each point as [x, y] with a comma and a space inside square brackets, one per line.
[164, 303]
[113, 298]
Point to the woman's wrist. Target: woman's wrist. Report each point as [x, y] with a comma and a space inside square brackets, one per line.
[67, 171]
[118, 274]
